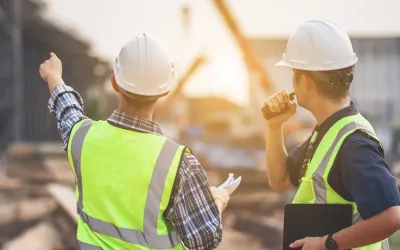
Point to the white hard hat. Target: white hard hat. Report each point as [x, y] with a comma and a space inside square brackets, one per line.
[318, 46]
[144, 67]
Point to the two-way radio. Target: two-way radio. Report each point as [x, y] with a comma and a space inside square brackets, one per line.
[268, 114]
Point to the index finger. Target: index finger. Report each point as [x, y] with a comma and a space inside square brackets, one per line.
[298, 243]
[286, 95]
[52, 54]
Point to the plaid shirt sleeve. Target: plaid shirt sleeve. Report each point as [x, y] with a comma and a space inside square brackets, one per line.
[192, 209]
[67, 106]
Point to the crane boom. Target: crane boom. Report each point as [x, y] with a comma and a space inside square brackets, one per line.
[251, 60]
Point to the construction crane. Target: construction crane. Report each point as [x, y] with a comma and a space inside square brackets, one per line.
[257, 72]
[252, 62]
[259, 81]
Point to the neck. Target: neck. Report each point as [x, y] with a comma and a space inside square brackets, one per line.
[144, 113]
[326, 108]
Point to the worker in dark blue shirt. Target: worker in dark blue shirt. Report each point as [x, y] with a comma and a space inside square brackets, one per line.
[322, 59]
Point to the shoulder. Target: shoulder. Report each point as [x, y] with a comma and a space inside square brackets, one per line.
[361, 143]
[83, 124]
[360, 151]
[366, 175]
[190, 160]
[361, 159]
[190, 167]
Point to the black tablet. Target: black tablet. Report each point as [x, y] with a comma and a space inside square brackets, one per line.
[311, 220]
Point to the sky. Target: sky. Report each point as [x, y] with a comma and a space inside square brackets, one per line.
[108, 24]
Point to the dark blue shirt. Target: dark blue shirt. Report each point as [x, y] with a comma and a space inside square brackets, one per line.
[359, 173]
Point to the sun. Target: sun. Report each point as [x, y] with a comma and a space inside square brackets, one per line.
[230, 79]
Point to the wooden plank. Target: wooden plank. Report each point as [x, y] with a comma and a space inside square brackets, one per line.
[60, 170]
[10, 184]
[25, 210]
[51, 148]
[66, 227]
[25, 150]
[13, 188]
[41, 237]
[40, 175]
[65, 196]
[26, 174]
[21, 150]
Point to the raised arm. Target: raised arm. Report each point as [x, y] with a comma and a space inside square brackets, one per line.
[65, 103]
[276, 154]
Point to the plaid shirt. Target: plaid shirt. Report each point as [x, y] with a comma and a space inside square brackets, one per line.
[191, 209]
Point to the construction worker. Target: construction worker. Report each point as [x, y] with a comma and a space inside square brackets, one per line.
[136, 189]
[342, 161]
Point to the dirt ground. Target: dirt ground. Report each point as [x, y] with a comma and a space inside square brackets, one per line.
[233, 240]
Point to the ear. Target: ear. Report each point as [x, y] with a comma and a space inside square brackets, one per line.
[114, 84]
[307, 82]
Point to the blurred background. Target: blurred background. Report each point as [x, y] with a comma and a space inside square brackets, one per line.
[224, 53]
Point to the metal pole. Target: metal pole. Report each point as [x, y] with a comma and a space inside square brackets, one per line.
[17, 68]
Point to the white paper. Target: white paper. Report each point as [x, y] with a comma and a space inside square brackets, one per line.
[231, 183]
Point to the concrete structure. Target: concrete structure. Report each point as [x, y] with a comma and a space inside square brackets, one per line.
[38, 39]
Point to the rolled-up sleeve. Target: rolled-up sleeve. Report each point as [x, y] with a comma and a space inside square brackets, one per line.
[67, 106]
[192, 210]
[367, 177]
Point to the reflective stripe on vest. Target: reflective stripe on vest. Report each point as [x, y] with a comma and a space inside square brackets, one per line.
[86, 246]
[318, 182]
[149, 237]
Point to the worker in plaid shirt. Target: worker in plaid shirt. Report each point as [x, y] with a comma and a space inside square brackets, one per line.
[194, 207]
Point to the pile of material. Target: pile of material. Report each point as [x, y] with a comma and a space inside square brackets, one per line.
[37, 200]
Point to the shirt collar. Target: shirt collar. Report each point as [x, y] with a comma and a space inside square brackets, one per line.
[135, 123]
[328, 123]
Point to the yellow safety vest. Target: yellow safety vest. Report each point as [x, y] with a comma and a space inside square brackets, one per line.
[314, 187]
[124, 181]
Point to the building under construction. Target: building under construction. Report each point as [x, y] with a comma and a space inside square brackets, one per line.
[30, 216]
[26, 40]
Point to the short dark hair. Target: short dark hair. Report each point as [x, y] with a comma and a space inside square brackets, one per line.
[333, 84]
[139, 101]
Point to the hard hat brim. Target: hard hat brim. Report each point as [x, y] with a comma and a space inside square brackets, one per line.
[283, 64]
